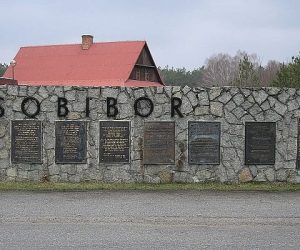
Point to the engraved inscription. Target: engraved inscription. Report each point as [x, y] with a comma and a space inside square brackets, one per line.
[260, 143]
[159, 142]
[114, 141]
[204, 142]
[70, 142]
[26, 141]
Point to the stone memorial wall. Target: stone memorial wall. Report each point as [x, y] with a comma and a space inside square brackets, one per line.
[153, 134]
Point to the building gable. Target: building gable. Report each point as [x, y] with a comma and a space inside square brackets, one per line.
[145, 68]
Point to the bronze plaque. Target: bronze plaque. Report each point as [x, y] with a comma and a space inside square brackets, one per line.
[26, 141]
[260, 143]
[114, 142]
[159, 143]
[70, 142]
[204, 142]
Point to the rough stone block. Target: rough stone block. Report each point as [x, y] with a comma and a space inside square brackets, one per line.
[4, 154]
[3, 131]
[273, 91]
[216, 109]
[280, 108]
[43, 92]
[292, 105]
[225, 97]
[270, 174]
[166, 176]
[12, 90]
[204, 175]
[245, 175]
[260, 96]
[109, 92]
[203, 98]
[11, 172]
[238, 99]
[260, 177]
[186, 89]
[230, 106]
[202, 110]
[281, 174]
[94, 93]
[214, 93]
[283, 96]
[186, 105]
[70, 95]
[192, 98]
[54, 170]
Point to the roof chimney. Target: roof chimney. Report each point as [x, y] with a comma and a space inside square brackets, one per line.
[87, 41]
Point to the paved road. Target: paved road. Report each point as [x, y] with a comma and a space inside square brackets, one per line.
[149, 220]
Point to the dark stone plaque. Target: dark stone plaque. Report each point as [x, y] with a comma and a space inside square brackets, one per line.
[114, 142]
[298, 147]
[260, 143]
[159, 142]
[26, 141]
[70, 142]
[204, 142]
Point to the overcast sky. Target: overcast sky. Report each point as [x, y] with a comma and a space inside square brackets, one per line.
[179, 32]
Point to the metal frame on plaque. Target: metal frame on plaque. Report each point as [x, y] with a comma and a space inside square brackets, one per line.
[13, 158]
[83, 143]
[213, 139]
[298, 146]
[158, 155]
[260, 147]
[113, 159]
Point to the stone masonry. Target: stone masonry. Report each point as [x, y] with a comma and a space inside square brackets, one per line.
[229, 105]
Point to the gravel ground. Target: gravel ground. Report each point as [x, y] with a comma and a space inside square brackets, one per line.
[149, 220]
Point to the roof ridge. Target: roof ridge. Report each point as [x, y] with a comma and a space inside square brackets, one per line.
[76, 44]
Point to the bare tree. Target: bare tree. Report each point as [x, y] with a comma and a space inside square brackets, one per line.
[269, 73]
[220, 70]
[243, 69]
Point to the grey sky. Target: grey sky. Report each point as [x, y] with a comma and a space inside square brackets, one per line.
[179, 32]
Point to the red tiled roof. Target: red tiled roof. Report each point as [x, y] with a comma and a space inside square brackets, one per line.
[103, 64]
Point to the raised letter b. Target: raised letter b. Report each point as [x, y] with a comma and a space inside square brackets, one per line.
[62, 110]
[111, 105]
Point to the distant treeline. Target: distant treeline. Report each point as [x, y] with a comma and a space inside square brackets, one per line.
[181, 76]
[241, 70]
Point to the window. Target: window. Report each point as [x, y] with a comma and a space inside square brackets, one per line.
[137, 74]
[148, 75]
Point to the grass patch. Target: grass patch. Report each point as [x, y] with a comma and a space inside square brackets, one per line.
[94, 186]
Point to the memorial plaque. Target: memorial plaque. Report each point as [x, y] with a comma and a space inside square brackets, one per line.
[114, 142]
[260, 143]
[204, 142]
[70, 142]
[298, 147]
[159, 143]
[26, 141]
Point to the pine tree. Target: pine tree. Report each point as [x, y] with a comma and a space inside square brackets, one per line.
[3, 68]
[289, 74]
